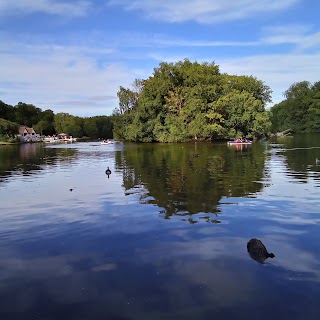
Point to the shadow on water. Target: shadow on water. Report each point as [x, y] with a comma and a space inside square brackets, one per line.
[185, 179]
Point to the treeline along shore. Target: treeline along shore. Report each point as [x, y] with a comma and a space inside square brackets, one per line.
[181, 102]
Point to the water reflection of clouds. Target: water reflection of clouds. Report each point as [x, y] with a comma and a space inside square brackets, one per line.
[71, 279]
[46, 199]
[283, 187]
[215, 270]
[60, 279]
[184, 278]
[292, 258]
[289, 258]
[55, 266]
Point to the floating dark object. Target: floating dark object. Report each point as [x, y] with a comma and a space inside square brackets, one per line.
[71, 189]
[108, 172]
[258, 251]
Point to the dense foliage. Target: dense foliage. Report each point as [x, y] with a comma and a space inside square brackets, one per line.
[184, 101]
[300, 111]
[8, 130]
[48, 123]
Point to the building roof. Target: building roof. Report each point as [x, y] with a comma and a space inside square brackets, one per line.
[23, 129]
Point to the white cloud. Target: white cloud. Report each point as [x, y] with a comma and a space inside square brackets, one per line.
[278, 71]
[60, 77]
[311, 41]
[203, 11]
[202, 43]
[85, 78]
[302, 36]
[24, 7]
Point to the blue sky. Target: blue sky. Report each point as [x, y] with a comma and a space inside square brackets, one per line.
[72, 55]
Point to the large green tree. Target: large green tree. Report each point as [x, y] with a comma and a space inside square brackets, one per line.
[8, 128]
[300, 111]
[6, 111]
[27, 114]
[190, 100]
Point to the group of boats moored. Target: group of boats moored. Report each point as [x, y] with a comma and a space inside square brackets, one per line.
[58, 138]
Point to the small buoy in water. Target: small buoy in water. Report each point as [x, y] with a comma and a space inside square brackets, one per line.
[258, 251]
[108, 172]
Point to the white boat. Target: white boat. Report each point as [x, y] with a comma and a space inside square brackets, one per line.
[50, 139]
[70, 139]
[106, 142]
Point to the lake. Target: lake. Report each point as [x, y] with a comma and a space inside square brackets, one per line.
[164, 236]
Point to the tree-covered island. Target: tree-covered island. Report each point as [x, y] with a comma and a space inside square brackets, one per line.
[186, 101]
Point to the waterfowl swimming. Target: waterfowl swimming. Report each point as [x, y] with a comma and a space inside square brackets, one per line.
[317, 161]
[258, 251]
[108, 172]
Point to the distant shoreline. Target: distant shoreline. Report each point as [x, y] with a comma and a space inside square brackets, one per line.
[3, 143]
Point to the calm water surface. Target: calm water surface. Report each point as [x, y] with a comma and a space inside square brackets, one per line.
[164, 236]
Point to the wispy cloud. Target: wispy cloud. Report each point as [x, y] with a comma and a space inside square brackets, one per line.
[203, 11]
[201, 43]
[62, 76]
[152, 40]
[300, 36]
[52, 7]
[278, 71]
[94, 101]
[310, 42]
[285, 34]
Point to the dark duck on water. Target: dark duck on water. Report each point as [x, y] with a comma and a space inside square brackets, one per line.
[258, 251]
[108, 172]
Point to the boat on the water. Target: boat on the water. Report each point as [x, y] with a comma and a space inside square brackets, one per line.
[239, 142]
[107, 142]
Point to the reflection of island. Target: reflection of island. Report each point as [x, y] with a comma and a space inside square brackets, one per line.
[171, 177]
[258, 251]
[30, 158]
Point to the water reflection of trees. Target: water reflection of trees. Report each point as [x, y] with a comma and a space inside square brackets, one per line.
[300, 152]
[27, 159]
[185, 179]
